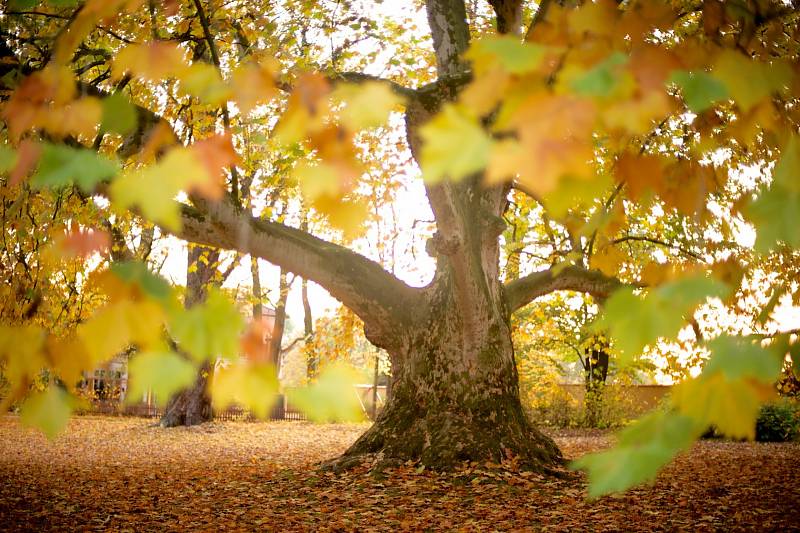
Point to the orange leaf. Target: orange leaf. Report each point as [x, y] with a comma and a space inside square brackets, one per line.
[215, 153]
[27, 157]
[84, 242]
[254, 342]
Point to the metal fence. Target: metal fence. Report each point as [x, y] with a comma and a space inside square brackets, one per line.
[282, 410]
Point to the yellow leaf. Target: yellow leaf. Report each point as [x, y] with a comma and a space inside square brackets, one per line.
[306, 110]
[153, 188]
[48, 410]
[106, 333]
[251, 385]
[154, 61]
[750, 81]
[69, 359]
[730, 405]
[455, 145]
[202, 80]
[365, 105]
[253, 84]
[21, 349]
[346, 215]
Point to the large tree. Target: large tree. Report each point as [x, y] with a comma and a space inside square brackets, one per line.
[565, 98]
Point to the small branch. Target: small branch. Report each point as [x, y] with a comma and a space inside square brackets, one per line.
[658, 242]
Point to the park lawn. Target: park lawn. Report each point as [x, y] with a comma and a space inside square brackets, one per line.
[125, 474]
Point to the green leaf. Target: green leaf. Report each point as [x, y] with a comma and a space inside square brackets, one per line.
[635, 321]
[642, 450]
[163, 373]
[602, 79]
[60, 166]
[776, 210]
[738, 358]
[332, 398]
[748, 81]
[8, 158]
[514, 56]
[455, 145]
[136, 272]
[209, 330]
[119, 116]
[700, 90]
[48, 410]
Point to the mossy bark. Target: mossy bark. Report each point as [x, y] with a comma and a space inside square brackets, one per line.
[453, 399]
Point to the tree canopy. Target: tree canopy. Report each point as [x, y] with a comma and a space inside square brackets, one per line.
[644, 154]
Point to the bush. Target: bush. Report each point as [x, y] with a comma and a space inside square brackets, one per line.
[778, 422]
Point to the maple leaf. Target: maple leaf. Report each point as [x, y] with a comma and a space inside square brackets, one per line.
[700, 90]
[27, 156]
[455, 145]
[253, 385]
[307, 106]
[119, 115]
[332, 397]
[164, 373]
[775, 211]
[48, 410]
[644, 447]
[84, 242]
[203, 81]
[208, 330]
[153, 188]
[749, 81]
[254, 341]
[366, 105]
[61, 165]
[153, 61]
[506, 52]
[635, 321]
[253, 84]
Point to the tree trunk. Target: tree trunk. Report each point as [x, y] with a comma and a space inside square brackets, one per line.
[596, 373]
[455, 395]
[192, 406]
[312, 363]
[276, 339]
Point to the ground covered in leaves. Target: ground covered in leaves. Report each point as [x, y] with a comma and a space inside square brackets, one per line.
[126, 474]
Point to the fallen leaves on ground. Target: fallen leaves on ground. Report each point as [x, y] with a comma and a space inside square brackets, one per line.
[127, 474]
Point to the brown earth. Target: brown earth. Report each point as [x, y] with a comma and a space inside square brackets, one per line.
[118, 474]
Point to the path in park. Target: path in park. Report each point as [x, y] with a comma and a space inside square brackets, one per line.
[124, 474]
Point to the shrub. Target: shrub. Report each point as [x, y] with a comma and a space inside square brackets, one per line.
[778, 421]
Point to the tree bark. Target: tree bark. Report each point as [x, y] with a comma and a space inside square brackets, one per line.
[276, 339]
[312, 362]
[455, 394]
[192, 406]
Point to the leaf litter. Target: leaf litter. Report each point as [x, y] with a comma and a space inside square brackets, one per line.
[126, 474]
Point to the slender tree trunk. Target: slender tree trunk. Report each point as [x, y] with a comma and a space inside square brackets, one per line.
[255, 272]
[276, 339]
[596, 373]
[312, 363]
[192, 406]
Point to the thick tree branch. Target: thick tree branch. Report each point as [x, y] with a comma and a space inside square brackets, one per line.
[520, 292]
[381, 300]
[360, 77]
